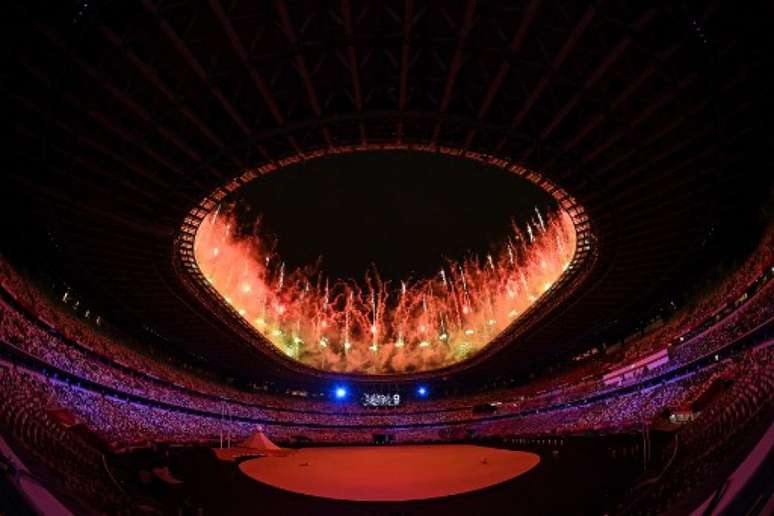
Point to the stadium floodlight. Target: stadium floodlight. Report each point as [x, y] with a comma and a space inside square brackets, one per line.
[340, 393]
[422, 391]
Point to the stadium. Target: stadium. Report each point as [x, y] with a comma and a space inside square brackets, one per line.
[407, 257]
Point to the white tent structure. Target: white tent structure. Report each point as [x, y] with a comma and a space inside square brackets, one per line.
[259, 441]
[257, 444]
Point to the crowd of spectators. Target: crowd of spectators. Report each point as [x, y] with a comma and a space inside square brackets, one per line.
[26, 416]
[702, 448]
[127, 399]
[126, 424]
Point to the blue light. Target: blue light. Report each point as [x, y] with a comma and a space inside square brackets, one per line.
[422, 391]
[340, 393]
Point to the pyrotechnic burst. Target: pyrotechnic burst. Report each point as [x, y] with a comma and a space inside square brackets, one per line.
[372, 326]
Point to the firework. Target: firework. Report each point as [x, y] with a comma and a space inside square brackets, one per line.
[370, 327]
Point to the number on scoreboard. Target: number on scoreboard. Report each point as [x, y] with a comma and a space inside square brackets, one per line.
[380, 400]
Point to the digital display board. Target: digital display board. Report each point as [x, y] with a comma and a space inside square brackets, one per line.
[369, 399]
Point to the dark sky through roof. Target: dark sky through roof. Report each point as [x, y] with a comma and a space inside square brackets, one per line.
[401, 211]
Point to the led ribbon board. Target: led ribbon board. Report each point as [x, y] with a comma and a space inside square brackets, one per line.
[380, 400]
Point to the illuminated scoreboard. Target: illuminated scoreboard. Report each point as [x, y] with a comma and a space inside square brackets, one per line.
[380, 400]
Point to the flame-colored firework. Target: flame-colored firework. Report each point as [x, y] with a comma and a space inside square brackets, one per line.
[370, 327]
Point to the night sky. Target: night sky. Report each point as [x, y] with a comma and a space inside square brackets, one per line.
[402, 212]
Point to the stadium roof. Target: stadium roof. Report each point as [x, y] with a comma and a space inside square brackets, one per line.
[127, 114]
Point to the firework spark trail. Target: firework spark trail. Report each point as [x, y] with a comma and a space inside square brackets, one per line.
[421, 325]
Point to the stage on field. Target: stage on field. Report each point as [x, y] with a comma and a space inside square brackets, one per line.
[390, 473]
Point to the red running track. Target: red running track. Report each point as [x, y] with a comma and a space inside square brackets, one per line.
[390, 473]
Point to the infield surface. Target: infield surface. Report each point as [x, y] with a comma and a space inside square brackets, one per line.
[390, 473]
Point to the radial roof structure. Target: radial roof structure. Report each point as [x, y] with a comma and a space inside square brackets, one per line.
[132, 121]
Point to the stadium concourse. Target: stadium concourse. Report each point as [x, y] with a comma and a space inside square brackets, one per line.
[416, 257]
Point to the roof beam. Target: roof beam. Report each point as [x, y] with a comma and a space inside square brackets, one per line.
[311, 94]
[657, 61]
[455, 66]
[405, 53]
[639, 192]
[678, 121]
[87, 209]
[505, 65]
[615, 53]
[427, 117]
[244, 57]
[86, 182]
[255, 75]
[148, 74]
[346, 15]
[643, 115]
[622, 97]
[129, 103]
[122, 132]
[197, 68]
[561, 56]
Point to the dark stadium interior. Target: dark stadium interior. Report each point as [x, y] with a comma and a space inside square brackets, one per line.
[390, 137]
